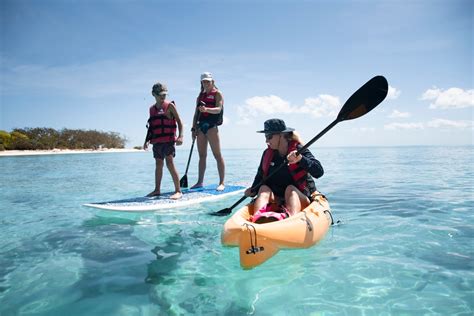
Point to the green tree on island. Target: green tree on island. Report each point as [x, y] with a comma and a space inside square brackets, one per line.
[43, 138]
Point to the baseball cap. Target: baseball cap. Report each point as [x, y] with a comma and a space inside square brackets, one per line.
[206, 76]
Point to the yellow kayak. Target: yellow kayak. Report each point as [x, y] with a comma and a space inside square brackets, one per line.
[260, 242]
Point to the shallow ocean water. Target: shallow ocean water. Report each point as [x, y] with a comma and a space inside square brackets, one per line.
[404, 244]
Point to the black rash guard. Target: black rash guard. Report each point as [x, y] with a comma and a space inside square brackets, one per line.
[282, 179]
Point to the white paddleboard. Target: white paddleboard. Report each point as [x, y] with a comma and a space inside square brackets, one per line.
[190, 197]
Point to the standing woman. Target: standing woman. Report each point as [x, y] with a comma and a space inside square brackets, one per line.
[207, 117]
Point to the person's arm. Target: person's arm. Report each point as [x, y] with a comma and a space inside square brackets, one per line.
[174, 113]
[307, 162]
[147, 138]
[218, 108]
[194, 128]
[148, 135]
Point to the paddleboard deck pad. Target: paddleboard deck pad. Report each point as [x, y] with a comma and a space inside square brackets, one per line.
[190, 197]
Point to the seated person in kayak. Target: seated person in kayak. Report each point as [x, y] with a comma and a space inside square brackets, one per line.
[291, 187]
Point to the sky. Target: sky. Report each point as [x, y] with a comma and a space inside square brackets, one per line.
[91, 65]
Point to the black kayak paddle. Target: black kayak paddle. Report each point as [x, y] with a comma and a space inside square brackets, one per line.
[361, 102]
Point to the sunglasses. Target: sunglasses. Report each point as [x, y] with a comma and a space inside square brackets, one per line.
[269, 136]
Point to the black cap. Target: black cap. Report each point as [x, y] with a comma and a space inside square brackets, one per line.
[274, 126]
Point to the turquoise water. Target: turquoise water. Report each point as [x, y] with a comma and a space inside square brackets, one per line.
[404, 245]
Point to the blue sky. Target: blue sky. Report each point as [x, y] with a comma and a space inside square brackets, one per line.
[91, 65]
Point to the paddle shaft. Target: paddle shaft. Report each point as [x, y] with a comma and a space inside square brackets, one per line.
[235, 204]
[190, 154]
[315, 138]
[192, 146]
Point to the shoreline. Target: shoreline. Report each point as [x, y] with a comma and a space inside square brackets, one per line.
[11, 153]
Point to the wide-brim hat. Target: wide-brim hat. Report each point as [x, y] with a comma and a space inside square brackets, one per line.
[275, 126]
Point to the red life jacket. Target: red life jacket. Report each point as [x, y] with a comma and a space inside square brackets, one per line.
[298, 174]
[162, 128]
[210, 100]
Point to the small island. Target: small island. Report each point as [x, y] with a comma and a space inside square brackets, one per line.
[43, 140]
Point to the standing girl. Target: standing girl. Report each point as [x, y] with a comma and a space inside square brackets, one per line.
[207, 117]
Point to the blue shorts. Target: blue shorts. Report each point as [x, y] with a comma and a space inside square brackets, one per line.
[161, 150]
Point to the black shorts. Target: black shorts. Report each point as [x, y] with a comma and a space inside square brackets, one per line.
[205, 126]
[161, 150]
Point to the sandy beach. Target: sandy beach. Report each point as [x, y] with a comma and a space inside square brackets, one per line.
[8, 153]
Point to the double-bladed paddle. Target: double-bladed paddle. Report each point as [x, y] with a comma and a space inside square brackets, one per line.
[360, 103]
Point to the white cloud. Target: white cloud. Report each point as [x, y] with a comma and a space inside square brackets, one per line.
[268, 105]
[453, 98]
[436, 123]
[321, 106]
[245, 117]
[393, 93]
[397, 126]
[398, 114]
[364, 129]
[441, 123]
[258, 105]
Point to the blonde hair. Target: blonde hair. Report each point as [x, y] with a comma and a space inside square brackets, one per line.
[294, 136]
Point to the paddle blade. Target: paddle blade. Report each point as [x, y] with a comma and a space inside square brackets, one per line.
[223, 212]
[183, 183]
[365, 99]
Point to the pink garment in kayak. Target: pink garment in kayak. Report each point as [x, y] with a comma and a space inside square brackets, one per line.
[270, 213]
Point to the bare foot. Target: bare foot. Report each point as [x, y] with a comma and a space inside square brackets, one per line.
[176, 196]
[154, 193]
[197, 186]
[221, 187]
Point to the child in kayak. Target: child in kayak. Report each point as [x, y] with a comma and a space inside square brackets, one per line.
[162, 134]
[289, 190]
